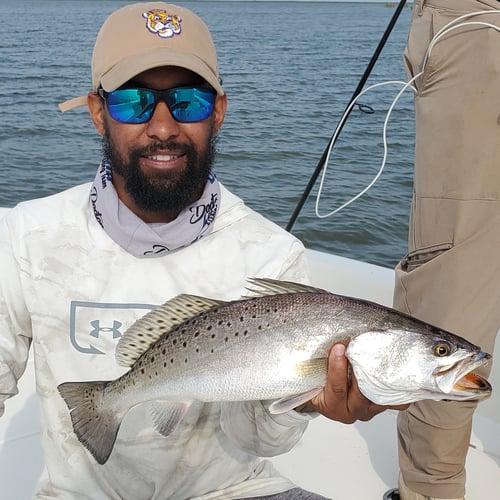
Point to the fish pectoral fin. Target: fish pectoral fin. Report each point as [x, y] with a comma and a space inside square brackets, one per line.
[288, 403]
[313, 368]
[167, 415]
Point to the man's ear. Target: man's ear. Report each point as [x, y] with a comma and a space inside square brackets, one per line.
[219, 112]
[96, 109]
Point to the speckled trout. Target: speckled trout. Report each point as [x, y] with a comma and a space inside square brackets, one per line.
[274, 346]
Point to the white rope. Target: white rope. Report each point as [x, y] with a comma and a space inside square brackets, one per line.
[451, 26]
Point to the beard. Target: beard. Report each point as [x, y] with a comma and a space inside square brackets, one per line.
[165, 191]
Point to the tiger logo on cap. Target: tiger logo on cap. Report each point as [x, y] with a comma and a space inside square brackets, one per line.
[162, 23]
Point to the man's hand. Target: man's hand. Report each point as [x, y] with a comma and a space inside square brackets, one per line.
[341, 398]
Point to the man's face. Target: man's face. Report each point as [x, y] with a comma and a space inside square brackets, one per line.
[161, 166]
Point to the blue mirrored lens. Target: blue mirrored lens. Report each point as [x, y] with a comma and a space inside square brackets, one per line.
[190, 104]
[187, 104]
[131, 105]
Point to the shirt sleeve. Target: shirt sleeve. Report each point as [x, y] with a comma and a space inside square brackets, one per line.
[296, 267]
[15, 324]
[251, 427]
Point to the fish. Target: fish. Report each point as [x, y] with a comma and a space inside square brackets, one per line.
[271, 345]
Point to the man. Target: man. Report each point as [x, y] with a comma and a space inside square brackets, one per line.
[81, 266]
[450, 276]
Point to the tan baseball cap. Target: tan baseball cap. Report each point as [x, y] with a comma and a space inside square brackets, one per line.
[147, 35]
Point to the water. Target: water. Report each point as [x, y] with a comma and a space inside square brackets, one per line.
[289, 69]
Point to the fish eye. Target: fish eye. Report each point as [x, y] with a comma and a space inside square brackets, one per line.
[442, 349]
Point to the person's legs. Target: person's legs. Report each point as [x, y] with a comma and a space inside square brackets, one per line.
[451, 275]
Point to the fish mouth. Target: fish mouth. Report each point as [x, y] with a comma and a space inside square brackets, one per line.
[461, 380]
[472, 381]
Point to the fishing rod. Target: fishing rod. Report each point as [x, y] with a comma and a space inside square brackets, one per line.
[346, 113]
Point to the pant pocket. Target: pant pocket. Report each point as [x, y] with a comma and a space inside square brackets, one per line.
[415, 259]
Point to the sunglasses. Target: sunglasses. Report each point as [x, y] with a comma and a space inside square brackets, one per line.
[137, 105]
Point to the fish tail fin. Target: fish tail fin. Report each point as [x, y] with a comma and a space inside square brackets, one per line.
[95, 425]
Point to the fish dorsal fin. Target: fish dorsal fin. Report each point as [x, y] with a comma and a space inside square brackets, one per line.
[267, 286]
[148, 329]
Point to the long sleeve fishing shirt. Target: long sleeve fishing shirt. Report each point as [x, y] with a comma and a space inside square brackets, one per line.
[67, 294]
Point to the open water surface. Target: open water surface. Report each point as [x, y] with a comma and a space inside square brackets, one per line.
[289, 69]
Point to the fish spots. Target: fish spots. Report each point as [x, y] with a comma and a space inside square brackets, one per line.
[141, 337]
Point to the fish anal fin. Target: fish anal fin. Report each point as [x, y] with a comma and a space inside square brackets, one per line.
[150, 327]
[288, 403]
[167, 415]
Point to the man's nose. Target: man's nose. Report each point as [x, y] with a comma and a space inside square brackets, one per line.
[162, 124]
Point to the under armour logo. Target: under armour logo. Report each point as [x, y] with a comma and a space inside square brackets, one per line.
[115, 329]
[94, 328]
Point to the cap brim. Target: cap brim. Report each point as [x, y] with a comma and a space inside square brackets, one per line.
[137, 63]
[73, 103]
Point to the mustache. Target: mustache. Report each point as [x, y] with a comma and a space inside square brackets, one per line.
[156, 147]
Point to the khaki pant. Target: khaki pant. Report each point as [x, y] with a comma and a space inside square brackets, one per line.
[451, 275]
